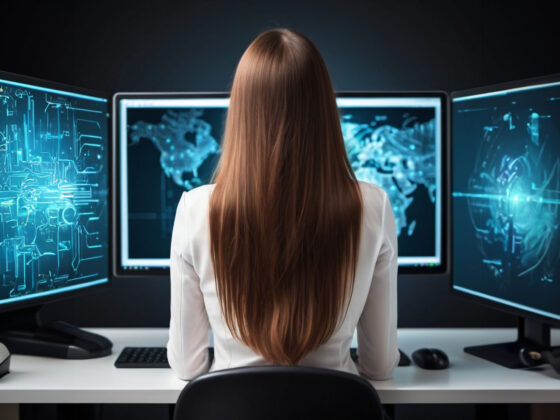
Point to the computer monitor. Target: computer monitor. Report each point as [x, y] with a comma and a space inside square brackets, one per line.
[506, 196]
[168, 143]
[54, 208]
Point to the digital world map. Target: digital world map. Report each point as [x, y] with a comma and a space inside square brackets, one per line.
[398, 159]
[394, 148]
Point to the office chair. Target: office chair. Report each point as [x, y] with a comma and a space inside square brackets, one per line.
[278, 392]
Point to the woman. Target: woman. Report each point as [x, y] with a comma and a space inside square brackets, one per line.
[287, 253]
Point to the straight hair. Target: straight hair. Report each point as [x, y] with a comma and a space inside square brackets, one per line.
[285, 214]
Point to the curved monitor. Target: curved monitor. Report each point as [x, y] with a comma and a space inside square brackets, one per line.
[170, 142]
[54, 208]
[506, 196]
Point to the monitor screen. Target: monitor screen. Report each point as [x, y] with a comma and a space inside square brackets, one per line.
[169, 143]
[506, 192]
[54, 226]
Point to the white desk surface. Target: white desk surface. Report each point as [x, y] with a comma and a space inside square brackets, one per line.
[468, 379]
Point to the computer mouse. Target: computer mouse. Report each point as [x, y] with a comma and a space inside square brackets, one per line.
[430, 359]
[4, 360]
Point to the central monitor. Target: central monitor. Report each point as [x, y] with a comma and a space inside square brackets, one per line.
[170, 143]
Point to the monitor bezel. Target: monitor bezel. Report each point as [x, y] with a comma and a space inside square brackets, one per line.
[554, 78]
[41, 300]
[444, 267]
[117, 269]
[163, 272]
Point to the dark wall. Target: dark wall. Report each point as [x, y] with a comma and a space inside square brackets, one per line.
[194, 46]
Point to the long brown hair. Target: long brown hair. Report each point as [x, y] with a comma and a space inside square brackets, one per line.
[285, 214]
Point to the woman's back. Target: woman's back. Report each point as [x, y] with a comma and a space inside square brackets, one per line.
[287, 252]
[196, 308]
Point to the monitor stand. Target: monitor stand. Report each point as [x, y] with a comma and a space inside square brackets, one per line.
[23, 332]
[530, 333]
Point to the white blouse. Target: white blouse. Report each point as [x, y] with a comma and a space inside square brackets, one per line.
[195, 308]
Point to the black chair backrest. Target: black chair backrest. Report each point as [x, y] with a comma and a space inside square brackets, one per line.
[278, 392]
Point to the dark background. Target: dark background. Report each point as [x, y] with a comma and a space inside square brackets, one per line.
[194, 46]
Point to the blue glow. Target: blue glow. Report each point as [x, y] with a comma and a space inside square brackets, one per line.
[506, 194]
[38, 88]
[507, 302]
[507, 91]
[513, 198]
[398, 159]
[53, 191]
[56, 291]
[179, 158]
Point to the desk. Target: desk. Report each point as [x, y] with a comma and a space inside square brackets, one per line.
[468, 380]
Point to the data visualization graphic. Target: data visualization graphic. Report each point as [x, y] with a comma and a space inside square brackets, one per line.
[395, 148]
[507, 195]
[184, 140]
[168, 146]
[53, 191]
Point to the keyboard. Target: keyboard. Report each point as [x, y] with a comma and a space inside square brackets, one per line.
[156, 357]
[147, 357]
[143, 357]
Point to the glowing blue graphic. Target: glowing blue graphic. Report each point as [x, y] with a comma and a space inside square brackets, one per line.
[506, 195]
[513, 197]
[168, 145]
[179, 158]
[398, 159]
[53, 191]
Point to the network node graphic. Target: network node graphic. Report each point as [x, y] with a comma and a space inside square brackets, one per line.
[179, 157]
[398, 159]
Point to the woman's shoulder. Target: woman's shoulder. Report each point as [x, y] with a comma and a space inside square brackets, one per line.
[372, 194]
[193, 206]
[197, 196]
[375, 201]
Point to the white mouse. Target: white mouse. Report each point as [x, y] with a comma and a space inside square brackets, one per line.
[4, 360]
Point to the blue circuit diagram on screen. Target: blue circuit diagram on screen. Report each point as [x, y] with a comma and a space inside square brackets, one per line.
[53, 190]
[398, 159]
[180, 158]
[513, 194]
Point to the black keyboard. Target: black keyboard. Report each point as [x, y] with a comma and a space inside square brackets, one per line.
[143, 357]
[148, 357]
[156, 357]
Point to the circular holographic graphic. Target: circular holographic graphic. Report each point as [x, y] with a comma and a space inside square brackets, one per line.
[513, 197]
